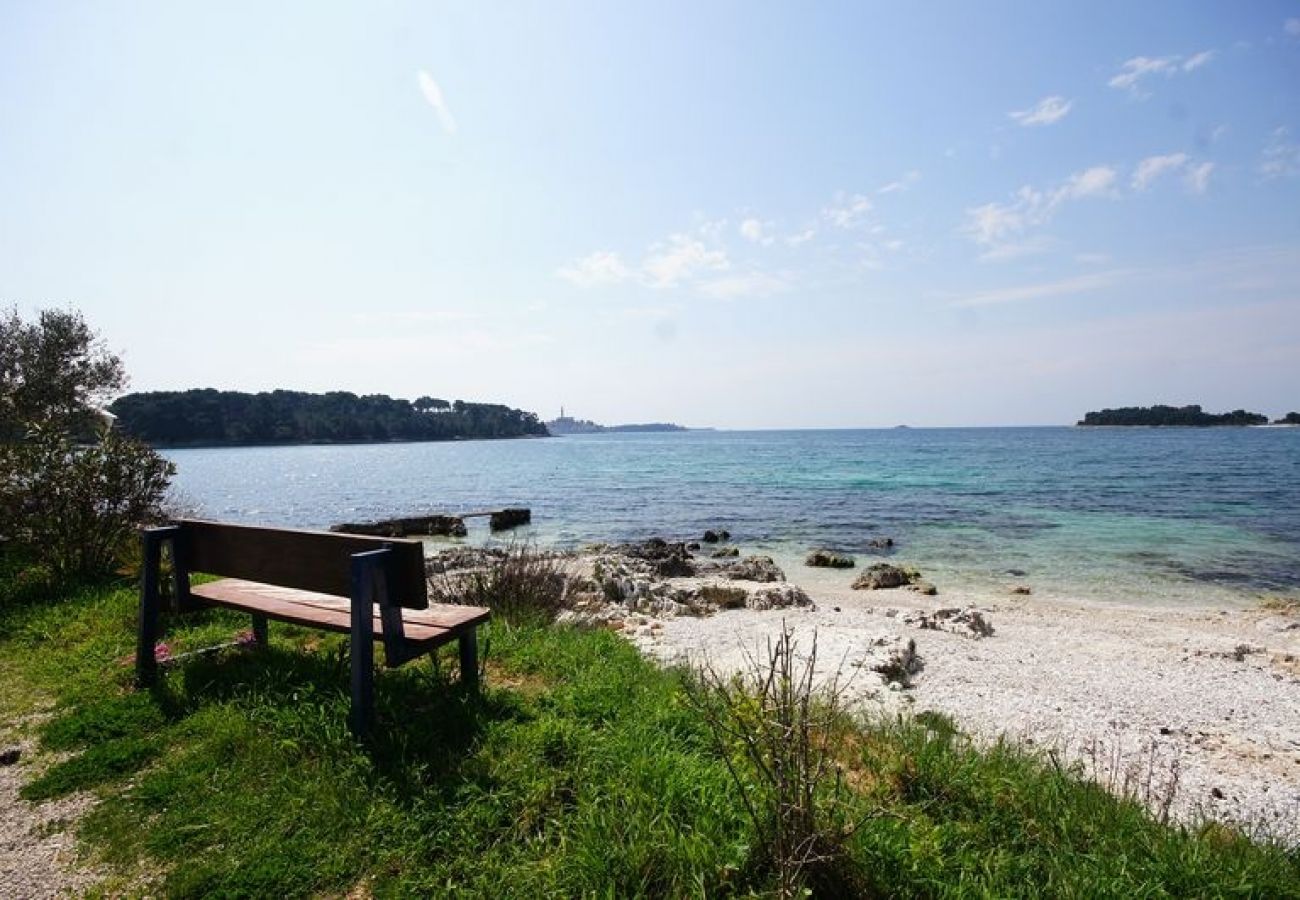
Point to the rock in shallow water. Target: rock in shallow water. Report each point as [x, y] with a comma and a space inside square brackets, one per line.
[828, 559]
[884, 575]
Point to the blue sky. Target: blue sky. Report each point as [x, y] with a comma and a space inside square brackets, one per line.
[741, 215]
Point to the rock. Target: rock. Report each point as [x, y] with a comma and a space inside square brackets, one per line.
[505, 519]
[654, 549]
[884, 575]
[885, 543]
[711, 537]
[723, 596]
[724, 534]
[674, 567]
[1022, 590]
[693, 545]
[447, 526]
[755, 568]
[779, 597]
[726, 553]
[923, 587]
[969, 622]
[1017, 573]
[10, 755]
[828, 559]
[457, 558]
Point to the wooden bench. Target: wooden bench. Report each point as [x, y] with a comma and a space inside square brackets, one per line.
[373, 589]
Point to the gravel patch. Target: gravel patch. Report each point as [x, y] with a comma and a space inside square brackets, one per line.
[38, 855]
[1194, 708]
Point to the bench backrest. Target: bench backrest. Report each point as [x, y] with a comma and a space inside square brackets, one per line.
[307, 560]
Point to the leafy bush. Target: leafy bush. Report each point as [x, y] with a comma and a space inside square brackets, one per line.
[72, 491]
[73, 507]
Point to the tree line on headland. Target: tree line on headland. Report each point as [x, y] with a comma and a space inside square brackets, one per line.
[1180, 416]
[207, 417]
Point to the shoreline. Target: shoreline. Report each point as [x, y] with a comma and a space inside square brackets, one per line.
[1196, 707]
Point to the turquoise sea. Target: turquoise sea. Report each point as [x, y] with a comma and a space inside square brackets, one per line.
[1132, 515]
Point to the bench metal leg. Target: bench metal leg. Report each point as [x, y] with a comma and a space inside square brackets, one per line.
[151, 541]
[363, 646]
[468, 645]
[260, 630]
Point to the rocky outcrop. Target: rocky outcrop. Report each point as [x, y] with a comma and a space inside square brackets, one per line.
[505, 519]
[968, 622]
[446, 526]
[883, 575]
[754, 568]
[714, 537]
[828, 559]
[726, 553]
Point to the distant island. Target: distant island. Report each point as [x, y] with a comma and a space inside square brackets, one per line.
[1185, 416]
[563, 425]
[208, 417]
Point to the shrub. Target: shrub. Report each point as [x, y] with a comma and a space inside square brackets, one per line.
[776, 728]
[74, 507]
[521, 585]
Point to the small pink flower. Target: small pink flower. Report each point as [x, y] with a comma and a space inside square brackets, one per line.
[245, 638]
[161, 652]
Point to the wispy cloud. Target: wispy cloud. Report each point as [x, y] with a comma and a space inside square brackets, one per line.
[1281, 156]
[994, 224]
[1131, 74]
[1151, 168]
[681, 257]
[1079, 284]
[801, 237]
[909, 178]
[1047, 111]
[756, 231]
[1197, 178]
[600, 268]
[1291, 28]
[846, 212]
[433, 94]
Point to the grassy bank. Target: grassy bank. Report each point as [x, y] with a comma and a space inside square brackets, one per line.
[582, 770]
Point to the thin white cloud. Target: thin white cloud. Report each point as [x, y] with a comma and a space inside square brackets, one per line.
[995, 224]
[680, 258]
[1281, 156]
[1023, 293]
[1047, 111]
[1197, 178]
[1151, 168]
[1292, 28]
[1133, 71]
[801, 237]
[596, 269]
[756, 231]
[846, 212]
[1005, 252]
[433, 94]
[751, 284]
[909, 178]
[1094, 182]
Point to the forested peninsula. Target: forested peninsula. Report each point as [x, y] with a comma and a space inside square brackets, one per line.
[1172, 415]
[207, 417]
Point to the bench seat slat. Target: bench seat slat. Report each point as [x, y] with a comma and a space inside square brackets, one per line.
[437, 623]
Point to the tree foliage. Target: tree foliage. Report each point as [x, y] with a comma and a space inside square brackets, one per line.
[72, 491]
[1171, 415]
[208, 417]
[53, 371]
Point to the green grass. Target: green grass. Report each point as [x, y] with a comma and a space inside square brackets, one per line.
[579, 771]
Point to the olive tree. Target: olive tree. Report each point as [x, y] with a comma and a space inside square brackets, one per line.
[72, 490]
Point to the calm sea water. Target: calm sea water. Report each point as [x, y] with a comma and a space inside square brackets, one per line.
[1139, 515]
